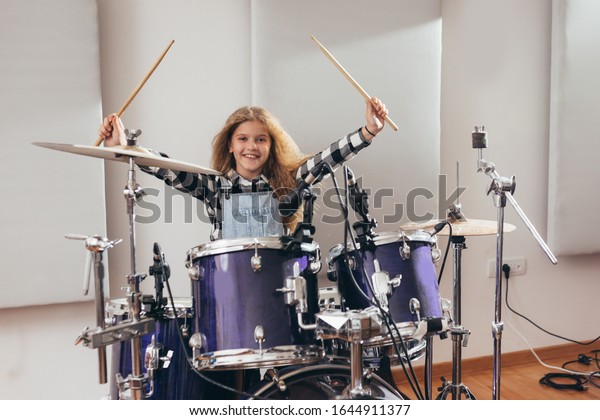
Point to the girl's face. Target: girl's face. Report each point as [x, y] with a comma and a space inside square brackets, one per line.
[250, 145]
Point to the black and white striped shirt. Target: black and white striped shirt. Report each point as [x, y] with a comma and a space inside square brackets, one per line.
[206, 187]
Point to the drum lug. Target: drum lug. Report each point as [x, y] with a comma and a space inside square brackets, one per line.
[404, 251]
[197, 343]
[315, 262]
[259, 336]
[396, 281]
[195, 272]
[436, 254]
[446, 305]
[415, 308]
[315, 266]
[255, 261]
[405, 248]
[185, 330]
[351, 263]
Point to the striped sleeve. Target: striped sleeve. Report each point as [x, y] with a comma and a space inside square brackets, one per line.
[201, 186]
[336, 154]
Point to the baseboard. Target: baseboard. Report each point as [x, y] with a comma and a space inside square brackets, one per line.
[487, 362]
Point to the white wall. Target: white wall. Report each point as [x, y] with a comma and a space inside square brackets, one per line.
[495, 72]
[317, 105]
[490, 75]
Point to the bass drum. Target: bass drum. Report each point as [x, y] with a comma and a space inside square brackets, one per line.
[321, 382]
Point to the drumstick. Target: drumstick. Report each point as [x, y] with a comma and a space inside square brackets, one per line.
[139, 87]
[350, 79]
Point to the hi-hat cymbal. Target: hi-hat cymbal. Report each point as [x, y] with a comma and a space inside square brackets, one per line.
[470, 227]
[141, 156]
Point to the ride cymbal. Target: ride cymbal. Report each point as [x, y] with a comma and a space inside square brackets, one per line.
[470, 227]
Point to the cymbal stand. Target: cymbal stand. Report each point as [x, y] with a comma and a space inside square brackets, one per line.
[460, 336]
[503, 189]
[132, 193]
[428, 368]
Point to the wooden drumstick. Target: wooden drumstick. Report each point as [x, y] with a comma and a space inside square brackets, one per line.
[350, 79]
[139, 87]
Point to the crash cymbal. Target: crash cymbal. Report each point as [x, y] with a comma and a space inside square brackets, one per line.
[470, 227]
[141, 156]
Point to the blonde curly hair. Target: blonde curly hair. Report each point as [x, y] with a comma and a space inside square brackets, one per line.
[284, 159]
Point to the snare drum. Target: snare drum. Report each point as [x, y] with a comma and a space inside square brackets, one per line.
[407, 259]
[172, 377]
[241, 288]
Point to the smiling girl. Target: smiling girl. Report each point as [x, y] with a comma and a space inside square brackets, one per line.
[259, 163]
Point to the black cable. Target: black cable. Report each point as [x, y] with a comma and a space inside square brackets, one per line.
[445, 254]
[506, 270]
[386, 316]
[577, 382]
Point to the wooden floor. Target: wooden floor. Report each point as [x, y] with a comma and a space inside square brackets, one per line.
[520, 374]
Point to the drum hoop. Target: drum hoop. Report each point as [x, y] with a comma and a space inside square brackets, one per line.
[385, 238]
[327, 368]
[225, 246]
[183, 305]
[244, 358]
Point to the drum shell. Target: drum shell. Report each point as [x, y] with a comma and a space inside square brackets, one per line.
[178, 381]
[419, 279]
[232, 299]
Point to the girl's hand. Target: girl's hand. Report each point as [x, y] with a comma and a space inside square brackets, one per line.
[112, 131]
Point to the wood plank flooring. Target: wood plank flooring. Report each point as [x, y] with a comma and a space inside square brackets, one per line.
[519, 375]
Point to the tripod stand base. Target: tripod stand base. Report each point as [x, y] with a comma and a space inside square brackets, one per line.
[455, 391]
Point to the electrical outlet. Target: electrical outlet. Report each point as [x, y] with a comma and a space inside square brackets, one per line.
[518, 266]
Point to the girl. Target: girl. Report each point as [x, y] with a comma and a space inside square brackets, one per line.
[259, 164]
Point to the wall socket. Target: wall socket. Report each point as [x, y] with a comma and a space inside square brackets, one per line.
[518, 266]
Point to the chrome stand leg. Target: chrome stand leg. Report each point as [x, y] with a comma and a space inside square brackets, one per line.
[456, 387]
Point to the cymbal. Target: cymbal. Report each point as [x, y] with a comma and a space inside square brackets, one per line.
[469, 227]
[140, 155]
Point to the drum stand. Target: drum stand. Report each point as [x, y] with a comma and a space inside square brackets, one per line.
[95, 245]
[135, 381]
[460, 336]
[354, 327]
[502, 189]
[133, 328]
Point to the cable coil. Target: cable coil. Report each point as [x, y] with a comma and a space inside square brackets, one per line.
[577, 384]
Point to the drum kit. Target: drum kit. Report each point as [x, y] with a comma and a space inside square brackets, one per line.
[337, 342]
